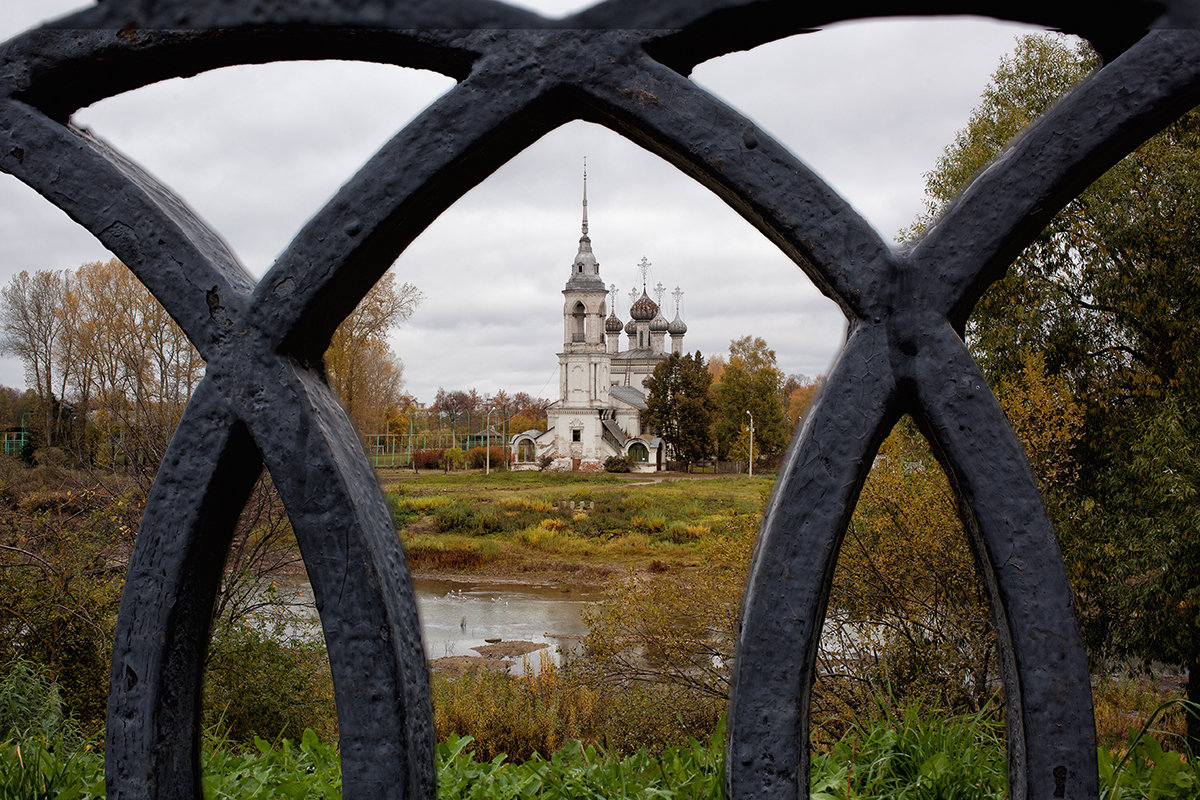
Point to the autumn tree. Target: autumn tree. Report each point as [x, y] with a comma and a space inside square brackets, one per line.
[362, 368]
[1106, 300]
[135, 368]
[907, 600]
[528, 413]
[798, 394]
[750, 382]
[31, 329]
[679, 405]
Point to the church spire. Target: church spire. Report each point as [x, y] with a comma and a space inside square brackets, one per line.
[585, 270]
[585, 231]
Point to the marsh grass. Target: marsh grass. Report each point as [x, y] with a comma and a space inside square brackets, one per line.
[583, 519]
[1125, 701]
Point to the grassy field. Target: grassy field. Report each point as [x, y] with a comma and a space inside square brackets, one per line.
[552, 526]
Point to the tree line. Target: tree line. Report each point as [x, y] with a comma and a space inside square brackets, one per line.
[706, 409]
[109, 372]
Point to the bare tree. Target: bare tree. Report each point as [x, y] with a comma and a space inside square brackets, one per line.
[31, 326]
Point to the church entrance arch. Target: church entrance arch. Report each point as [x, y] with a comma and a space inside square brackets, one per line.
[525, 450]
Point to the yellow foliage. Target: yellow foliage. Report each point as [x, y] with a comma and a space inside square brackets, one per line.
[906, 582]
[1047, 419]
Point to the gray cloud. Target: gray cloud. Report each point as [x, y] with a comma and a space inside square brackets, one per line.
[257, 150]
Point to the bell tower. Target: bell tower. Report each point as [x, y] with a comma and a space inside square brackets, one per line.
[584, 360]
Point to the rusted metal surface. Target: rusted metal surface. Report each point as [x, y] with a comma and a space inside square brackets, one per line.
[621, 64]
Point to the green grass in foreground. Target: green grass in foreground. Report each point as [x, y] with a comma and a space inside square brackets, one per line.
[914, 756]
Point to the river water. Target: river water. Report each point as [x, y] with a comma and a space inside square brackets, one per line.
[457, 616]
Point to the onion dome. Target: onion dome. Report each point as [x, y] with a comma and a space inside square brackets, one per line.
[659, 324]
[612, 324]
[677, 326]
[631, 327]
[643, 308]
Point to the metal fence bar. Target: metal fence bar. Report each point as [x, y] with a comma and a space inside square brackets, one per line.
[622, 64]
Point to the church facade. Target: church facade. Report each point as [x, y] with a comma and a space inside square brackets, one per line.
[602, 388]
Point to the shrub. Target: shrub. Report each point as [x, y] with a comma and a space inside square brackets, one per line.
[449, 552]
[427, 459]
[477, 457]
[682, 533]
[486, 522]
[264, 683]
[453, 518]
[452, 458]
[616, 464]
[633, 502]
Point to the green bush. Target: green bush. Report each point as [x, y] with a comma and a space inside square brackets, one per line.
[453, 518]
[616, 464]
[452, 458]
[266, 684]
[60, 601]
[914, 753]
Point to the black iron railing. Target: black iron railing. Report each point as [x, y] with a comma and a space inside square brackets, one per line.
[622, 64]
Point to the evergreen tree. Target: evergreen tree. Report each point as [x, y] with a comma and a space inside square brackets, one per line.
[679, 406]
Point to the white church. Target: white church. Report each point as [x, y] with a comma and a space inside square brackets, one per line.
[602, 388]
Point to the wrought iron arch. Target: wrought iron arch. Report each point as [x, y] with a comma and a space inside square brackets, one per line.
[621, 64]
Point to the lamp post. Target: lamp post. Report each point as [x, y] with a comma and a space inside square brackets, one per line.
[488, 433]
[751, 416]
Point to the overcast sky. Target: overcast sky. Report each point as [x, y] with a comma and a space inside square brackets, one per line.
[258, 150]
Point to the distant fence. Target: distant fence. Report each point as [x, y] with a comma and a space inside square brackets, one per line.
[14, 443]
[396, 449]
[710, 467]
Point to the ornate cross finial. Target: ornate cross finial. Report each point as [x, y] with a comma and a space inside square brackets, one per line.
[612, 294]
[633, 295]
[677, 294]
[644, 268]
[659, 290]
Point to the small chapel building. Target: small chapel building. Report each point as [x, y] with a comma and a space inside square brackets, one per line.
[602, 388]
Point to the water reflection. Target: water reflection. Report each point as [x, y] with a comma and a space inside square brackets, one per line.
[457, 616]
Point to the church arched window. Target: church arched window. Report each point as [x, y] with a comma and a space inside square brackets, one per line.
[639, 453]
[577, 318]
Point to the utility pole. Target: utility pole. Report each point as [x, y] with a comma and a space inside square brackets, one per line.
[488, 433]
[751, 416]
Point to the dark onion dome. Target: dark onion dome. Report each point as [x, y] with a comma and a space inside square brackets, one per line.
[677, 328]
[631, 327]
[659, 324]
[612, 324]
[643, 308]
